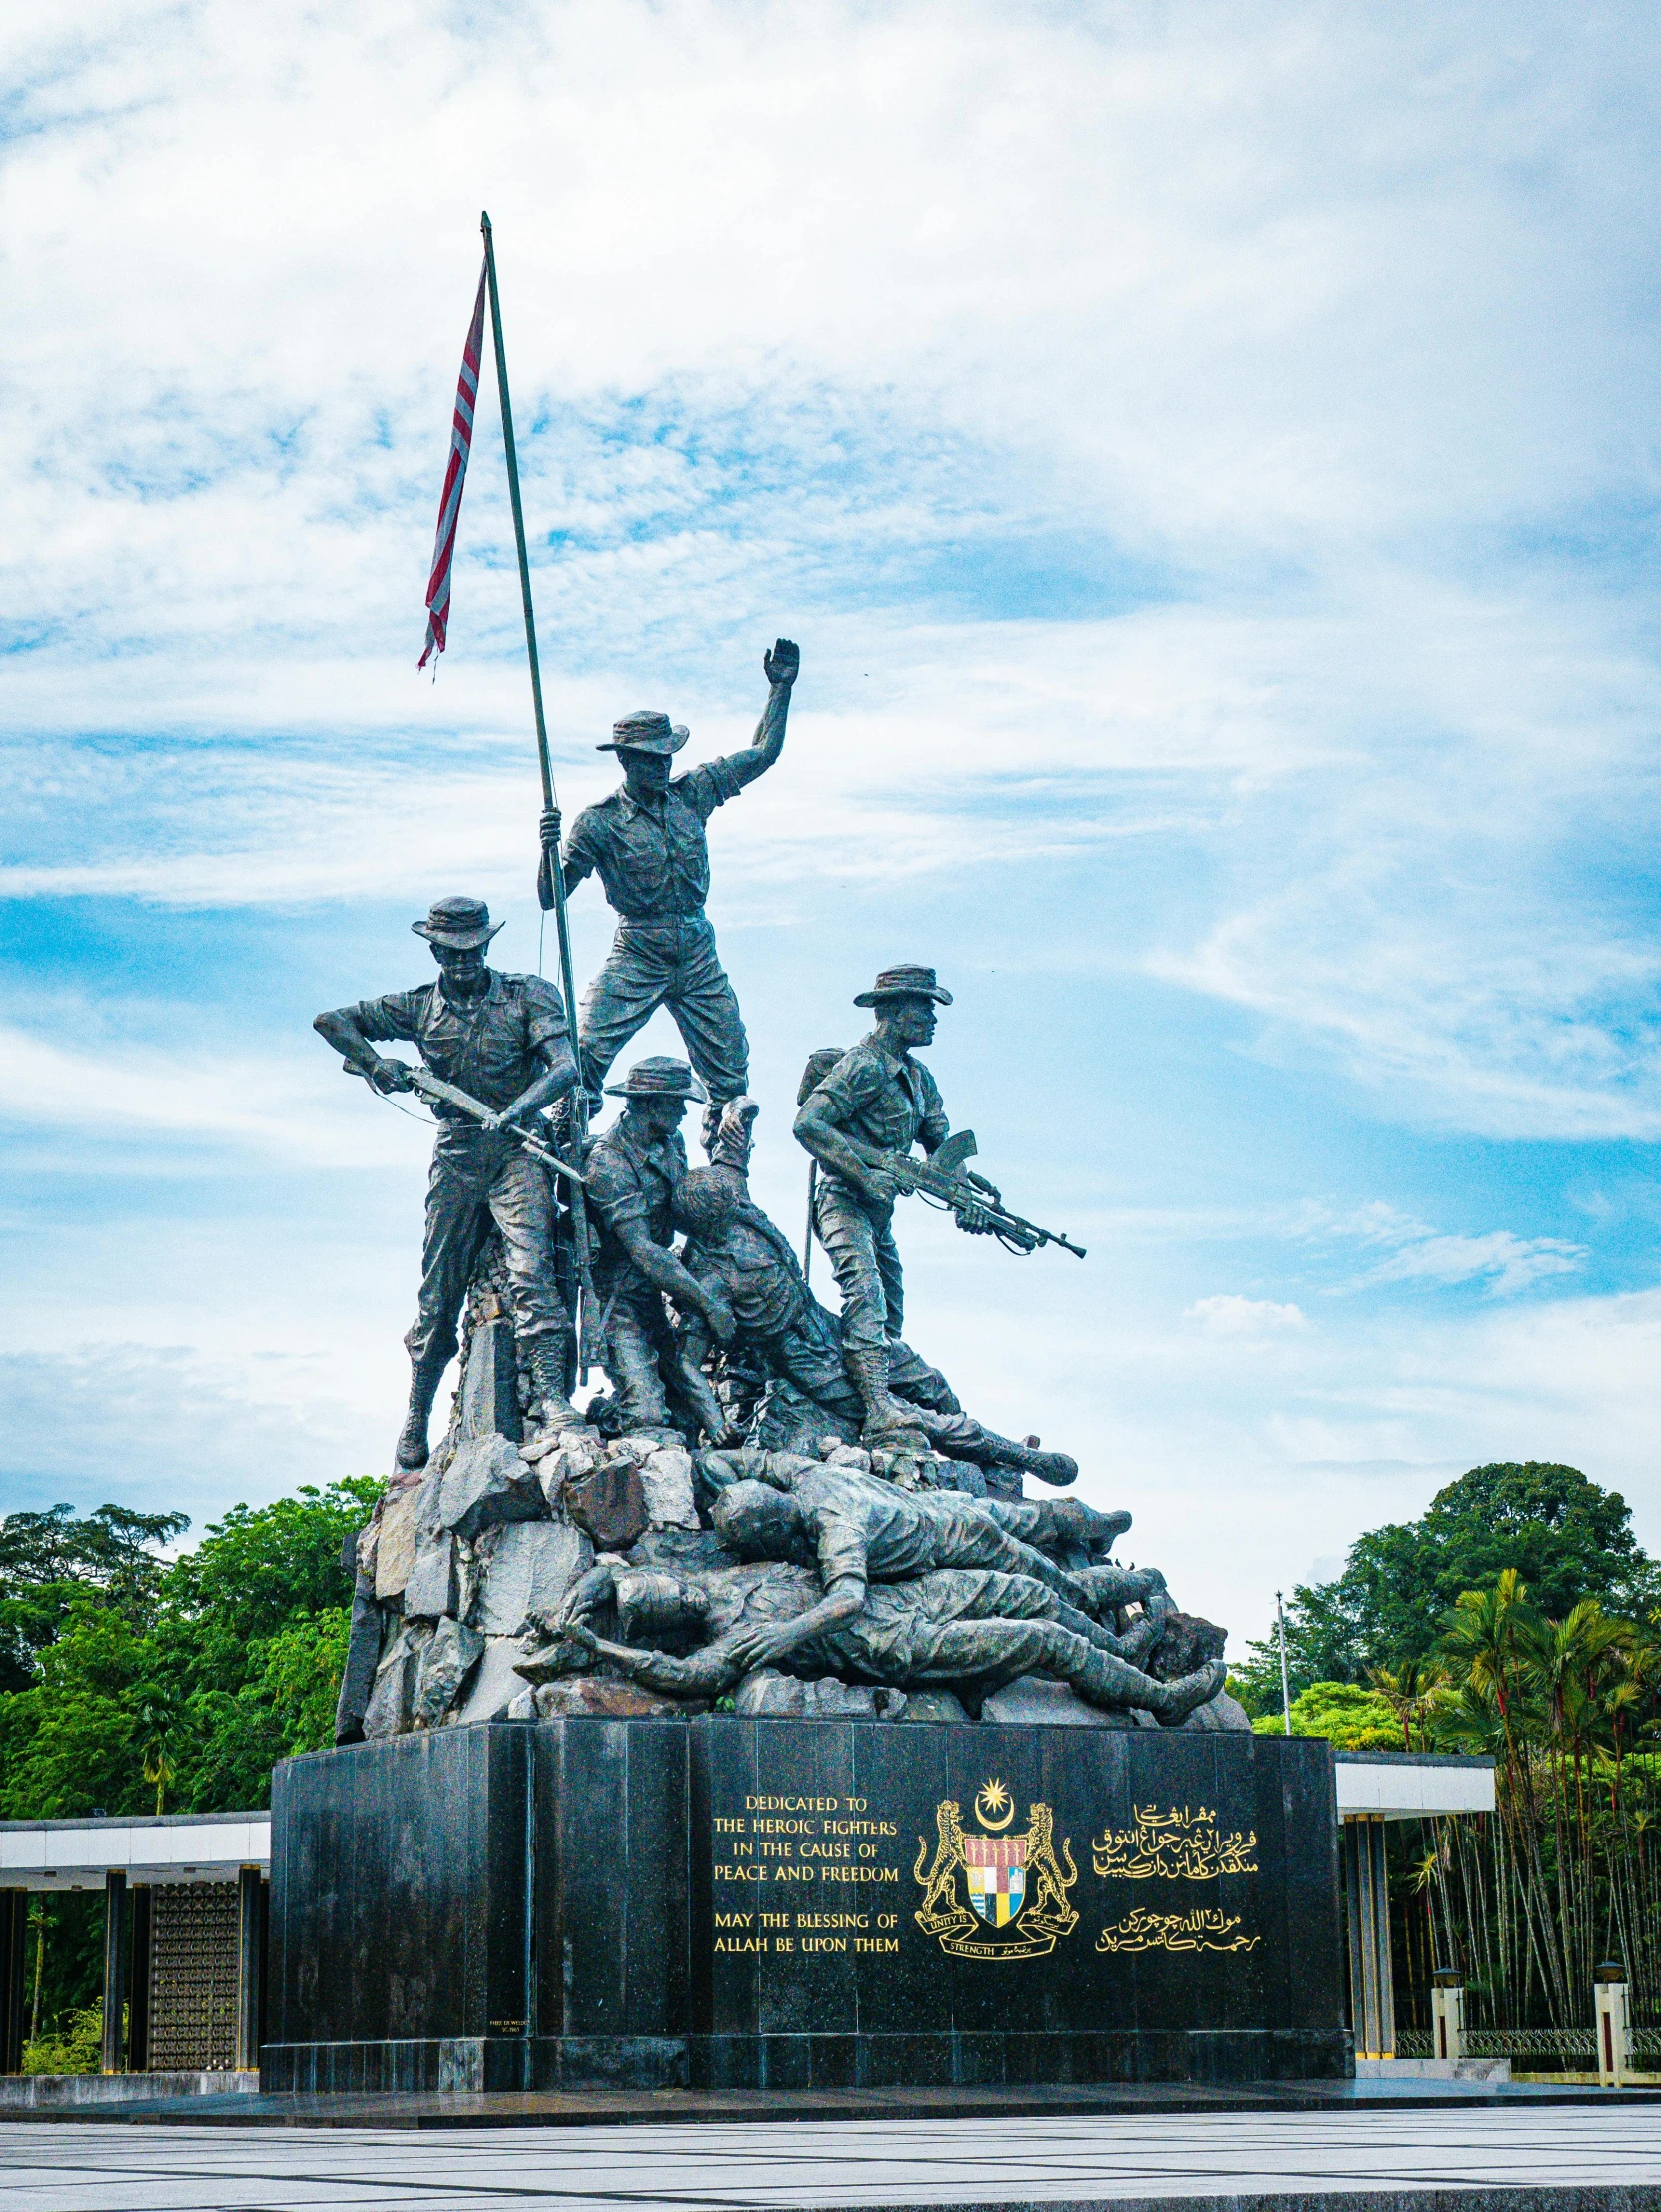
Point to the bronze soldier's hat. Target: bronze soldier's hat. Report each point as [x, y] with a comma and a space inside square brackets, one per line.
[460, 923]
[658, 1077]
[645, 732]
[905, 981]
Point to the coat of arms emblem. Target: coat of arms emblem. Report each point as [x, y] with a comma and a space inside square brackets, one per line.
[1014, 1898]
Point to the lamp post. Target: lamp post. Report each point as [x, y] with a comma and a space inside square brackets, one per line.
[1286, 1678]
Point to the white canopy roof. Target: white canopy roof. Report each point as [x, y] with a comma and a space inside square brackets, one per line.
[176, 1847]
[1405, 1786]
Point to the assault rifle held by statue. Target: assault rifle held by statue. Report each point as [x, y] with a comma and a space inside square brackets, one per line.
[434, 1087]
[944, 1181]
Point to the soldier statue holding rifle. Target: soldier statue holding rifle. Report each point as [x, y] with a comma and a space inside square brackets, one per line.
[649, 846]
[860, 1120]
[500, 1048]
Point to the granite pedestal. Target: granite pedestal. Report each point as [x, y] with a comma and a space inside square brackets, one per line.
[735, 1903]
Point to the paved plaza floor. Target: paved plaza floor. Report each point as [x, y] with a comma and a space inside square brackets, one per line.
[1569, 2158]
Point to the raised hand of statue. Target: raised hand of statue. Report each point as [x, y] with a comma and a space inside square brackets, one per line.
[783, 664]
[549, 826]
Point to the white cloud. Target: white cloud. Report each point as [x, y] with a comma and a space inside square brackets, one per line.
[818, 325]
[1228, 1315]
[1416, 1252]
[279, 1108]
[1505, 1262]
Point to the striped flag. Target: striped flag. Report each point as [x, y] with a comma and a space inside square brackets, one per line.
[456, 475]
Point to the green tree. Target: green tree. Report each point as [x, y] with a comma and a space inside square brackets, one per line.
[158, 1718]
[130, 1683]
[1353, 1718]
[47, 1559]
[70, 1743]
[287, 1705]
[142, 1675]
[263, 1567]
[1566, 1537]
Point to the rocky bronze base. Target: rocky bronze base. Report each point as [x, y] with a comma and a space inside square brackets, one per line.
[729, 1903]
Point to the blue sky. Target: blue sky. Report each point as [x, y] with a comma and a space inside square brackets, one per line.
[1208, 460]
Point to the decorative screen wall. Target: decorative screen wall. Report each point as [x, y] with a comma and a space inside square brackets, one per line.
[193, 1978]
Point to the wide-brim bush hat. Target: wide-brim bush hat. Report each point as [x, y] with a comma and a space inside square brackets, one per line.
[660, 1078]
[905, 981]
[461, 924]
[645, 732]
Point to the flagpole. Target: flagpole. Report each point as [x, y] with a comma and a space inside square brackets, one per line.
[550, 796]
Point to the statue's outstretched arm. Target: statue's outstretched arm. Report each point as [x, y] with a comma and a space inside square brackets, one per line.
[709, 1673]
[783, 665]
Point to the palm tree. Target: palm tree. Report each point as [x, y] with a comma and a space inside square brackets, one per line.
[1492, 1642]
[1410, 1691]
[155, 1720]
[1480, 1642]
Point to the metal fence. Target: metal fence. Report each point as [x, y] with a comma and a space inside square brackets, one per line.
[1569, 2043]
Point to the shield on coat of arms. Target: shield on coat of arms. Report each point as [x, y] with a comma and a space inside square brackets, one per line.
[994, 1874]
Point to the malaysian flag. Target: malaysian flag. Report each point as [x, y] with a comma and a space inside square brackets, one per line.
[456, 475]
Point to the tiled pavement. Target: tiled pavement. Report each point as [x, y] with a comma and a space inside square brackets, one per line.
[1572, 2159]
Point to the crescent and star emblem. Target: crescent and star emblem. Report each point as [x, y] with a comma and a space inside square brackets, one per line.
[995, 1801]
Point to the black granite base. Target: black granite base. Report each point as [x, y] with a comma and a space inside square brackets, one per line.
[729, 1904]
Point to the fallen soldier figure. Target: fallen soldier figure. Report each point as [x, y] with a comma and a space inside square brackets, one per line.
[969, 1630]
[1074, 1538]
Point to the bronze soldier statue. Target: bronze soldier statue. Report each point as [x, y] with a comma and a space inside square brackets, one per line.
[877, 1098]
[649, 845]
[633, 1171]
[785, 1333]
[504, 1039]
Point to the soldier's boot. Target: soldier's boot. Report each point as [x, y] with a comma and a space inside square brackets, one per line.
[425, 1378]
[1113, 1681]
[888, 1423]
[545, 1360]
[959, 1436]
[1096, 1534]
[1054, 1468]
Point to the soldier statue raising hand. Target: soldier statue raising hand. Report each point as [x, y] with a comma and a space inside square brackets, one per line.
[648, 844]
